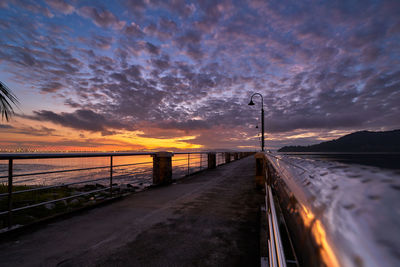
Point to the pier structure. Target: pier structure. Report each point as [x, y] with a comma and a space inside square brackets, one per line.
[163, 169]
[210, 218]
[256, 211]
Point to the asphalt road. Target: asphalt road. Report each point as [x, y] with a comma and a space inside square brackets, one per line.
[208, 219]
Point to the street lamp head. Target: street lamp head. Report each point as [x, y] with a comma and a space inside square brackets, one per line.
[251, 103]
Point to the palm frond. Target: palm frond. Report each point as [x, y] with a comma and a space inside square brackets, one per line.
[7, 98]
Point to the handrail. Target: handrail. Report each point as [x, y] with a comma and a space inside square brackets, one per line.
[315, 212]
[275, 234]
[275, 222]
[53, 201]
[5, 156]
[73, 170]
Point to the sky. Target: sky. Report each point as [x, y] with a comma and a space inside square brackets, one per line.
[178, 75]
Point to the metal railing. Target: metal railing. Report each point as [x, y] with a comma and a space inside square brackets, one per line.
[275, 247]
[220, 158]
[184, 164]
[107, 177]
[278, 245]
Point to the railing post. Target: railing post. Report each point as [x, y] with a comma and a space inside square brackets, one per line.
[162, 168]
[227, 157]
[260, 169]
[10, 186]
[236, 156]
[201, 159]
[268, 173]
[211, 159]
[111, 175]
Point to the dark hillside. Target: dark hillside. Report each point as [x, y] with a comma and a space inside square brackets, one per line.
[364, 141]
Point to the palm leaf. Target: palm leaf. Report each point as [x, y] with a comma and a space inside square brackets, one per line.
[7, 98]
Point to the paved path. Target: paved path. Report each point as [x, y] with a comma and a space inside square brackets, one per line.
[208, 219]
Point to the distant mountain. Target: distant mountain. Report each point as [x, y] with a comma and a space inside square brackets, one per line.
[364, 141]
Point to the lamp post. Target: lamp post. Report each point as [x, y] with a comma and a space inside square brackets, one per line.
[262, 117]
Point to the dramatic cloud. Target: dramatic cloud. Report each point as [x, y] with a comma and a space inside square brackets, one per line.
[61, 6]
[80, 120]
[101, 17]
[174, 68]
[51, 87]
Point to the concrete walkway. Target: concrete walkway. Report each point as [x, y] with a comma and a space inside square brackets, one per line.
[208, 219]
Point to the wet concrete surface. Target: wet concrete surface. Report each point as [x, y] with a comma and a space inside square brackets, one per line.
[208, 219]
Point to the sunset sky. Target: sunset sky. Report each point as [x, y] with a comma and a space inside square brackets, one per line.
[178, 75]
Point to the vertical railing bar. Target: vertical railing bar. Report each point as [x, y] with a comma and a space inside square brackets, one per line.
[152, 169]
[201, 159]
[188, 161]
[278, 243]
[111, 175]
[10, 185]
[271, 239]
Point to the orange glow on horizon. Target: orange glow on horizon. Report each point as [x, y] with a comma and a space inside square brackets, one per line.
[51, 137]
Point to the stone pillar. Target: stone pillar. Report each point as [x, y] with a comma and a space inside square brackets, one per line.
[162, 168]
[260, 169]
[212, 160]
[236, 156]
[227, 157]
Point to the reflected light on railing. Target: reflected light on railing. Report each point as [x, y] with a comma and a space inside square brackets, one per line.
[307, 216]
[318, 232]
